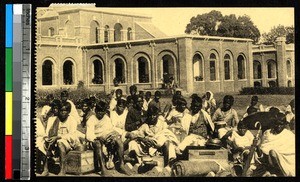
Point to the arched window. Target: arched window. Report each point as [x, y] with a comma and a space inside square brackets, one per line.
[257, 70]
[212, 67]
[68, 69]
[129, 37]
[272, 71]
[143, 70]
[47, 72]
[289, 68]
[198, 67]
[120, 72]
[241, 67]
[69, 29]
[98, 72]
[106, 33]
[117, 34]
[168, 65]
[51, 32]
[94, 33]
[227, 67]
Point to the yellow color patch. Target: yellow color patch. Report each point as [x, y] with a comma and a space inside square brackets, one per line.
[8, 113]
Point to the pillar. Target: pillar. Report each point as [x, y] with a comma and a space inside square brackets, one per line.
[123, 35]
[185, 58]
[250, 65]
[111, 35]
[221, 66]
[101, 34]
[264, 70]
[132, 35]
[281, 61]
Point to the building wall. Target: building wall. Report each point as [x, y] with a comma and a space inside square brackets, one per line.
[180, 50]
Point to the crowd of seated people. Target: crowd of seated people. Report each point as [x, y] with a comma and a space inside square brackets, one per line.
[135, 126]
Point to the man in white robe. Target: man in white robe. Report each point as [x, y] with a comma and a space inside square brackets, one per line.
[278, 145]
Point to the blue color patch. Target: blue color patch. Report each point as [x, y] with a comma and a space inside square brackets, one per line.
[9, 25]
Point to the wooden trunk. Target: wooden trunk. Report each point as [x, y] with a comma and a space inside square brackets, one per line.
[218, 155]
[213, 154]
[80, 162]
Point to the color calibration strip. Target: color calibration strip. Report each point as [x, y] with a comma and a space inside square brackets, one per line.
[8, 89]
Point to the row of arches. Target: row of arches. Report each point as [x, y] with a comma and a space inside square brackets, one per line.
[198, 66]
[95, 32]
[120, 67]
[271, 69]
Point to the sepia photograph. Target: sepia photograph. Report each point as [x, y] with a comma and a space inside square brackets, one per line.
[164, 92]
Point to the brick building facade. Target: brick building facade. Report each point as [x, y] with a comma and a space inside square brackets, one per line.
[95, 46]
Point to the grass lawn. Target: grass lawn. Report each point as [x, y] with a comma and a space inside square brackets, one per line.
[242, 101]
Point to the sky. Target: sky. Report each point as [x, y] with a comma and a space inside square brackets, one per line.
[172, 21]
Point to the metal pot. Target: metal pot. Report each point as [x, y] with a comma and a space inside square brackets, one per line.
[213, 143]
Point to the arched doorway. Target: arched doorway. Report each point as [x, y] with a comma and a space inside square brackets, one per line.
[120, 71]
[117, 34]
[241, 67]
[98, 72]
[68, 72]
[94, 33]
[198, 67]
[272, 69]
[257, 70]
[168, 65]
[47, 72]
[143, 70]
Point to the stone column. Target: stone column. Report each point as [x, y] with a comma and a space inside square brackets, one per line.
[123, 35]
[221, 66]
[185, 65]
[132, 33]
[111, 35]
[281, 61]
[250, 65]
[101, 34]
[153, 68]
[264, 70]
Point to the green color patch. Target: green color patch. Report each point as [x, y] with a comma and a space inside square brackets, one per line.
[8, 69]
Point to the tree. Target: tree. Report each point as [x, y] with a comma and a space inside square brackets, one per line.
[279, 31]
[215, 24]
[204, 24]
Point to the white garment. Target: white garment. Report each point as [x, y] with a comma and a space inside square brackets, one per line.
[112, 104]
[146, 104]
[74, 112]
[207, 119]
[192, 139]
[98, 128]
[67, 130]
[242, 141]
[118, 122]
[284, 146]
[185, 119]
